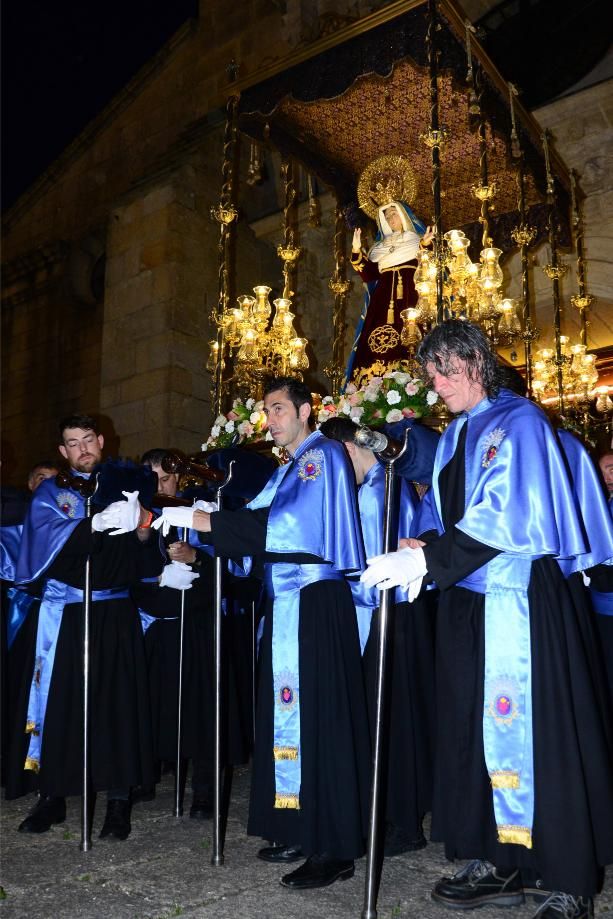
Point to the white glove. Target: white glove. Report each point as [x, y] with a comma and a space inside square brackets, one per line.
[178, 574]
[122, 515]
[181, 517]
[586, 579]
[396, 569]
[209, 507]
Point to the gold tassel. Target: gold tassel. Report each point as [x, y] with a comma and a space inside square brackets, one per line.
[32, 764]
[285, 753]
[390, 308]
[519, 835]
[399, 288]
[290, 802]
[504, 779]
[30, 725]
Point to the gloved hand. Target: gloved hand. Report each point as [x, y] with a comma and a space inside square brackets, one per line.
[178, 574]
[396, 569]
[122, 515]
[181, 517]
[586, 578]
[209, 507]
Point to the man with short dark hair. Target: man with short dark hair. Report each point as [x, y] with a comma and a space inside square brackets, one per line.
[523, 770]
[310, 782]
[41, 471]
[46, 751]
[606, 467]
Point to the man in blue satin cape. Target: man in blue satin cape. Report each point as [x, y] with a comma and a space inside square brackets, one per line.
[45, 750]
[311, 768]
[523, 776]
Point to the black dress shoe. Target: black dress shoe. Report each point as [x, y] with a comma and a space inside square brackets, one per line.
[117, 821]
[142, 793]
[318, 871]
[397, 841]
[478, 884]
[281, 854]
[202, 807]
[47, 812]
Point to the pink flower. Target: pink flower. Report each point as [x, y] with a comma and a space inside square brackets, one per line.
[350, 389]
[378, 414]
[330, 408]
[410, 389]
[354, 398]
[408, 413]
[232, 416]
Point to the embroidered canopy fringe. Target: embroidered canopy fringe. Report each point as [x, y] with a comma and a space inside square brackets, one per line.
[30, 725]
[520, 835]
[31, 764]
[290, 802]
[285, 753]
[504, 779]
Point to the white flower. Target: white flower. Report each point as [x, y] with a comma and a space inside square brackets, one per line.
[393, 397]
[276, 451]
[370, 395]
[204, 447]
[327, 400]
[220, 421]
[229, 427]
[268, 436]
[401, 377]
[254, 417]
[394, 414]
[215, 430]
[249, 403]
[356, 413]
[431, 397]
[350, 389]
[258, 406]
[345, 408]
[323, 416]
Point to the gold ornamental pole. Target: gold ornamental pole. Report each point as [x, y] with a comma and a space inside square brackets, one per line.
[582, 301]
[225, 214]
[287, 251]
[339, 285]
[524, 235]
[435, 139]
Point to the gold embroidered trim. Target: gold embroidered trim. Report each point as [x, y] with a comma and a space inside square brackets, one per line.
[288, 801]
[357, 260]
[30, 725]
[32, 764]
[285, 753]
[520, 835]
[504, 778]
[412, 265]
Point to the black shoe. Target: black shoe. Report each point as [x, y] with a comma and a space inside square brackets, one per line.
[560, 905]
[398, 841]
[47, 812]
[318, 871]
[202, 807]
[477, 884]
[142, 793]
[117, 821]
[280, 853]
[537, 891]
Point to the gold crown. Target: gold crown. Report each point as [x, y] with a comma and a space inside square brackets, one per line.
[386, 179]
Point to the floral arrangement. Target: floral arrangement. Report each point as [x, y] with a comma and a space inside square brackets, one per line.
[392, 397]
[245, 419]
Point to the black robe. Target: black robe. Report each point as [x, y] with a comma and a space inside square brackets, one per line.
[334, 735]
[120, 732]
[573, 766]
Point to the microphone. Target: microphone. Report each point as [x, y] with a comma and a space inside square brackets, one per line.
[386, 447]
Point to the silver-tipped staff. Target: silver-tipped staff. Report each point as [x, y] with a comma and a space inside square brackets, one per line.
[178, 808]
[389, 450]
[86, 488]
[217, 854]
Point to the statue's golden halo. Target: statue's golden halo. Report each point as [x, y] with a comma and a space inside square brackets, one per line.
[386, 179]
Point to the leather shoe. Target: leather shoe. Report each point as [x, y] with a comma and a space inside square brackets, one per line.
[47, 812]
[117, 821]
[318, 871]
[478, 884]
[398, 841]
[281, 853]
[202, 807]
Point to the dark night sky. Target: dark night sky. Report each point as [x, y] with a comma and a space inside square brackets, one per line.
[62, 62]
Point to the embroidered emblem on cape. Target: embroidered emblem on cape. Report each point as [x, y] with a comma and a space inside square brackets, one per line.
[491, 442]
[504, 705]
[309, 465]
[286, 693]
[383, 338]
[67, 502]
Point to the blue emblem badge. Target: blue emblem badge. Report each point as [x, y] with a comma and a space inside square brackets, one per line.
[491, 442]
[67, 502]
[309, 465]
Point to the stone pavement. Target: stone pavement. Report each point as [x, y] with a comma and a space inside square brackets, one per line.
[164, 870]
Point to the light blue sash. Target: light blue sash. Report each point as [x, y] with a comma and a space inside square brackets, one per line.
[55, 597]
[284, 581]
[20, 604]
